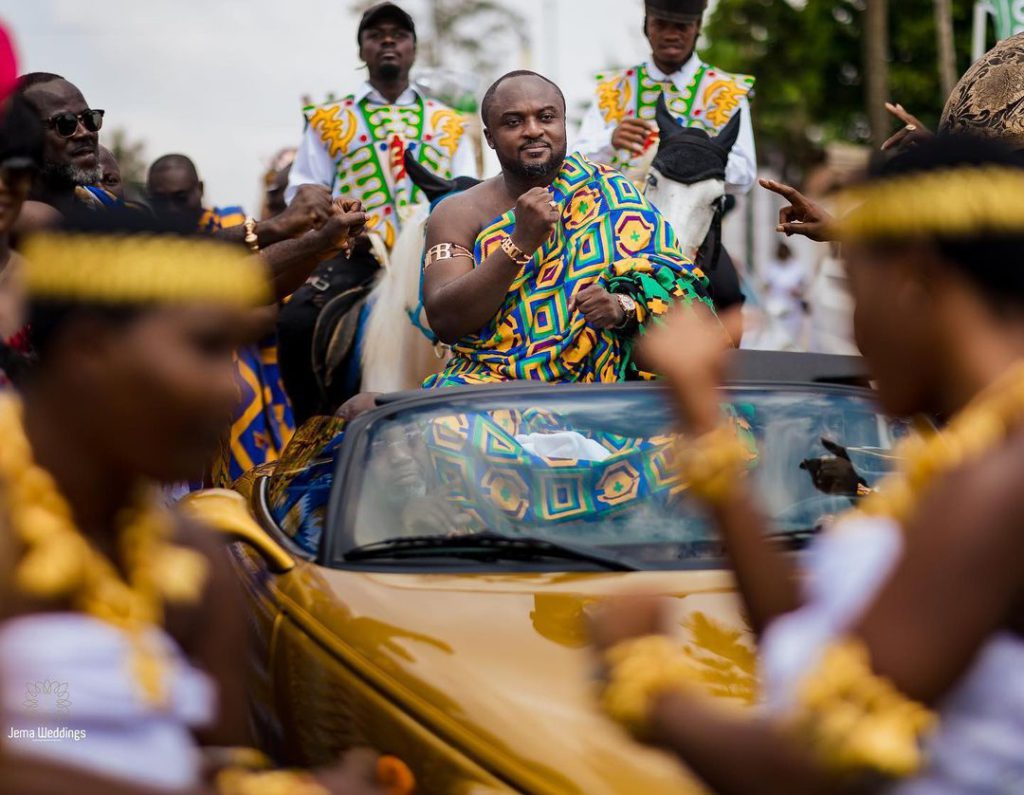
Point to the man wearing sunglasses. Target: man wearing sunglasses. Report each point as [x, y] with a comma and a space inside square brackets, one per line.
[70, 143]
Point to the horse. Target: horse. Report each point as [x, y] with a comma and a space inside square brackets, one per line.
[686, 183]
[399, 351]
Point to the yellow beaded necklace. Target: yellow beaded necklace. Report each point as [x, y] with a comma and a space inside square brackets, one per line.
[980, 426]
[60, 563]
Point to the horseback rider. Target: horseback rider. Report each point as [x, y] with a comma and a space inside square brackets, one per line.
[619, 129]
[356, 148]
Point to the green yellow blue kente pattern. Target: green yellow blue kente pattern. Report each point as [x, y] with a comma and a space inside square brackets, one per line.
[607, 234]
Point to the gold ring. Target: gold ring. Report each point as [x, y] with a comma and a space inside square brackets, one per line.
[911, 128]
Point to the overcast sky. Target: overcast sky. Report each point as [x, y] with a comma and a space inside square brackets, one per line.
[221, 80]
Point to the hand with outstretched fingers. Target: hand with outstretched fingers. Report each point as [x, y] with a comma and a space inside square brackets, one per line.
[911, 134]
[802, 216]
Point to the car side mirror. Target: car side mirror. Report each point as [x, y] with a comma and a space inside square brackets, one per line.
[227, 512]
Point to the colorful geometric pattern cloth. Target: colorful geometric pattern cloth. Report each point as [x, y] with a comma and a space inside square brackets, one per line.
[300, 487]
[608, 234]
[368, 141]
[263, 422]
[708, 103]
[214, 219]
[493, 479]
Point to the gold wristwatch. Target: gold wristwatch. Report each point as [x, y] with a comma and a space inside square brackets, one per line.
[628, 309]
[513, 251]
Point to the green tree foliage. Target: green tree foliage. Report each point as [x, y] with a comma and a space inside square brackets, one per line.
[807, 56]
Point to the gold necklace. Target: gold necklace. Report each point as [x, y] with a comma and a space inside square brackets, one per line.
[978, 428]
[60, 563]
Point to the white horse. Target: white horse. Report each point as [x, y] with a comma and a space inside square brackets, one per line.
[686, 183]
[399, 351]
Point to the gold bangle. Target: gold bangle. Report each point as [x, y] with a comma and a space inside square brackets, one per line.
[515, 253]
[234, 781]
[250, 235]
[639, 670]
[443, 251]
[856, 721]
[713, 464]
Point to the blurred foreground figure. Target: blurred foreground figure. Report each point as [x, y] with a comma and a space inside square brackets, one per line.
[865, 690]
[120, 625]
[21, 146]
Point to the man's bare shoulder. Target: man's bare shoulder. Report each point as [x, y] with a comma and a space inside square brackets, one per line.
[465, 214]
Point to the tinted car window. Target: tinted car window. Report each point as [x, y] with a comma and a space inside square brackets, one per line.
[596, 468]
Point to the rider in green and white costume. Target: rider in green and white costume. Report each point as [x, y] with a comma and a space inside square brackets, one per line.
[696, 93]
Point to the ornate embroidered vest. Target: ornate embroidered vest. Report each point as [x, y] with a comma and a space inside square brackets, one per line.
[368, 142]
[710, 100]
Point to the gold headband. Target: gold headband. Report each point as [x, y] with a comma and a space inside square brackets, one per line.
[137, 269]
[955, 202]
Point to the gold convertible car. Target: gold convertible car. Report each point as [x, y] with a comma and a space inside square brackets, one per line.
[420, 580]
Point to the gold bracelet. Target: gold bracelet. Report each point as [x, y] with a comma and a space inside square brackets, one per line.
[713, 464]
[515, 253]
[443, 251]
[856, 721]
[250, 235]
[639, 670]
[234, 781]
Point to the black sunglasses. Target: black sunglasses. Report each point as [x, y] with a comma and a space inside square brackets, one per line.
[66, 124]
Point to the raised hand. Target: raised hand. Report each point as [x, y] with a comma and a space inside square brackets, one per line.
[536, 215]
[345, 223]
[600, 308]
[913, 133]
[310, 209]
[632, 135]
[802, 216]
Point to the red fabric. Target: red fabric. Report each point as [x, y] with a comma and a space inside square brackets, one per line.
[8, 63]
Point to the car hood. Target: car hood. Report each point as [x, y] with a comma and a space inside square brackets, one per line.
[499, 663]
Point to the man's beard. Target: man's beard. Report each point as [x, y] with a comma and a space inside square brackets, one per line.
[389, 71]
[547, 170]
[68, 175]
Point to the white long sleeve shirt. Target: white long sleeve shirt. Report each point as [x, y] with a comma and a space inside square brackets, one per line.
[314, 165]
[595, 135]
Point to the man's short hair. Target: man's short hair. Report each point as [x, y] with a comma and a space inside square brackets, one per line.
[32, 79]
[174, 161]
[488, 100]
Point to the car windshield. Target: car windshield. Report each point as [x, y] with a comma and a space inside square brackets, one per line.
[595, 470]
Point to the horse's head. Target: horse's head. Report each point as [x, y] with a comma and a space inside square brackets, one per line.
[687, 178]
[434, 187]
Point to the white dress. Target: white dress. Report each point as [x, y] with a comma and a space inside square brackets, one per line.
[978, 747]
[68, 695]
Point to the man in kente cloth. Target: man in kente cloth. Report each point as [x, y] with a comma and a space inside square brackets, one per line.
[619, 127]
[547, 271]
